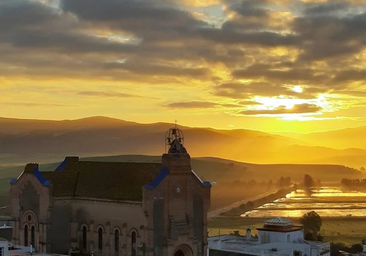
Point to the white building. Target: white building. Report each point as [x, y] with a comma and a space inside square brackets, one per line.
[278, 237]
[4, 247]
[8, 249]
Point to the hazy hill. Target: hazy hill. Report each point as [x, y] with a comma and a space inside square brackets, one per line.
[19, 126]
[49, 141]
[341, 139]
[93, 136]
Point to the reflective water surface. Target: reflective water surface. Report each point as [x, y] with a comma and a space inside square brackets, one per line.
[327, 202]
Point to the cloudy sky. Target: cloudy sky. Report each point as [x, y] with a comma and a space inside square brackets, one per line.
[271, 65]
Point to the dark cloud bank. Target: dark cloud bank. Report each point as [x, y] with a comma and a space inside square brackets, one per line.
[155, 39]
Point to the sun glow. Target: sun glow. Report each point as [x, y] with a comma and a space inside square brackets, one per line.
[271, 103]
[297, 88]
[300, 117]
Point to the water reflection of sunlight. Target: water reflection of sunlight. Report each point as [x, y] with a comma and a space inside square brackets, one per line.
[326, 201]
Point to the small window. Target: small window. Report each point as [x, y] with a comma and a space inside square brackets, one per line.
[84, 238]
[26, 235]
[1, 251]
[29, 217]
[33, 236]
[133, 243]
[100, 239]
[116, 241]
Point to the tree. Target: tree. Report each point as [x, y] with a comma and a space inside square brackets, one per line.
[308, 181]
[270, 184]
[281, 182]
[335, 248]
[362, 169]
[312, 223]
[356, 248]
[252, 183]
[250, 204]
[297, 253]
[236, 233]
[308, 184]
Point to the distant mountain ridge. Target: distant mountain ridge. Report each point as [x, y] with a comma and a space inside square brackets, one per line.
[339, 139]
[48, 141]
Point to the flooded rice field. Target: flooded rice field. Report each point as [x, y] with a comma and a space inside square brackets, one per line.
[326, 201]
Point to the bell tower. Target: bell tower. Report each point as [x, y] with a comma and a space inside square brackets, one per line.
[176, 159]
[180, 202]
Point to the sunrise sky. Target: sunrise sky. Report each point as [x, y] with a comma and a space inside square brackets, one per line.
[270, 65]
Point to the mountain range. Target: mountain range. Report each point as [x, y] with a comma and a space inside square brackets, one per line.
[24, 140]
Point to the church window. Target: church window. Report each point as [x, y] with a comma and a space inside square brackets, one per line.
[29, 217]
[116, 241]
[133, 243]
[33, 236]
[100, 239]
[26, 235]
[84, 238]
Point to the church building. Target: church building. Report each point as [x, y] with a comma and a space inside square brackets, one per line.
[114, 208]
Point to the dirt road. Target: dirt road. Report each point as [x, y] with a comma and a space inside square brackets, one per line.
[217, 212]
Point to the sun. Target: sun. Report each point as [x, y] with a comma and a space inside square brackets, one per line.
[297, 89]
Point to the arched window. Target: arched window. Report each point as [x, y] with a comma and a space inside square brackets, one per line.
[33, 236]
[133, 243]
[26, 235]
[116, 241]
[100, 239]
[84, 238]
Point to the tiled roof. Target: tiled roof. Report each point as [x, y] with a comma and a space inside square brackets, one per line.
[278, 222]
[103, 180]
[63, 183]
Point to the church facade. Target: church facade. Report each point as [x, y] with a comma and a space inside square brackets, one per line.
[113, 208]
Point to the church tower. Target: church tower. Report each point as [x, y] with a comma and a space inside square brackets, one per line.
[181, 202]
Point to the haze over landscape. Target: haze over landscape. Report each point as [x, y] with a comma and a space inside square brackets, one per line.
[266, 92]
[47, 141]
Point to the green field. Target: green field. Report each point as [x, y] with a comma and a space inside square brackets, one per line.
[4, 185]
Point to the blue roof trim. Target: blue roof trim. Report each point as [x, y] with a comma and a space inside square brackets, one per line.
[206, 184]
[13, 181]
[40, 177]
[162, 174]
[61, 166]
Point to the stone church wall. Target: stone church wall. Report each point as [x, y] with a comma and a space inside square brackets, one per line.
[109, 216]
[60, 229]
